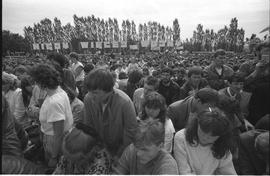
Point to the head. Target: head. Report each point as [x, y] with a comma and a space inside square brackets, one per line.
[135, 76]
[166, 74]
[122, 75]
[20, 71]
[45, 76]
[219, 58]
[204, 98]
[99, 83]
[57, 60]
[8, 82]
[150, 84]
[211, 128]
[76, 145]
[88, 68]
[236, 82]
[149, 140]
[230, 106]
[154, 106]
[145, 71]
[195, 75]
[73, 57]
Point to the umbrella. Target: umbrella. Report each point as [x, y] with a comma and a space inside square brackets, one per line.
[266, 29]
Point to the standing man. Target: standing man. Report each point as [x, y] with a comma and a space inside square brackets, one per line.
[108, 113]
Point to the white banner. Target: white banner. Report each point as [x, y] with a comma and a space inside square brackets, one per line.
[133, 47]
[99, 45]
[84, 45]
[115, 44]
[123, 44]
[42, 45]
[92, 45]
[145, 43]
[154, 45]
[49, 46]
[107, 45]
[169, 43]
[35, 46]
[57, 46]
[65, 45]
[162, 43]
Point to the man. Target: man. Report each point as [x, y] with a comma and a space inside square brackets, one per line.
[180, 111]
[150, 84]
[168, 88]
[108, 113]
[194, 83]
[147, 156]
[218, 73]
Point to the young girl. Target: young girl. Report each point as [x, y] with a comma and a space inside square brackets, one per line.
[154, 106]
[203, 147]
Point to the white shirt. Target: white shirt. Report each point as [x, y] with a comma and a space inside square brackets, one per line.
[169, 132]
[81, 75]
[55, 108]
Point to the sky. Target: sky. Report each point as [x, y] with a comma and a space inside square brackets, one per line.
[252, 15]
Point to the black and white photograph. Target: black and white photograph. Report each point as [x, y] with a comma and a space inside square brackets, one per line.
[135, 87]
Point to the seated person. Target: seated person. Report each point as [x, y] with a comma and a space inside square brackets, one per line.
[146, 155]
[254, 153]
[203, 147]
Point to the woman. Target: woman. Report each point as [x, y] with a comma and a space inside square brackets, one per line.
[55, 114]
[154, 107]
[203, 147]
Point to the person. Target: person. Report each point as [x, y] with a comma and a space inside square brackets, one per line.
[80, 152]
[203, 147]
[180, 111]
[154, 107]
[133, 82]
[254, 153]
[218, 73]
[194, 82]
[179, 75]
[150, 84]
[132, 65]
[146, 155]
[122, 81]
[55, 113]
[168, 88]
[108, 113]
[78, 70]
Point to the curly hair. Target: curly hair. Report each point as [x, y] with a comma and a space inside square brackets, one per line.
[156, 101]
[46, 76]
[59, 58]
[212, 121]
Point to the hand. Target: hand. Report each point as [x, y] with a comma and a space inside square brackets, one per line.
[52, 162]
[248, 125]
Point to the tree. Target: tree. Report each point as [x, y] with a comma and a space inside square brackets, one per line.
[232, 34]
[14, 43]
[176, 30]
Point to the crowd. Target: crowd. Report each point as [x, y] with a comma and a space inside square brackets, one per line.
[147, 113]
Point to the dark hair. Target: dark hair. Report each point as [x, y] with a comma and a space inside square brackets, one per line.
[26, 81]
[195, 71]
[74, 55]
[167, 70]
[59, 58]
[207, 95]
[88, 68]
[135, 76]
[219, 52]
[215, 122]
[153, 81]
[154, 100]
[46, 76]
[20, 69]
[99, 79]
[149, 132]
[237, 77]
[122, 75]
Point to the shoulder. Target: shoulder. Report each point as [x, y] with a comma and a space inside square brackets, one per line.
[176, 104]
[138, 91]
[180, 136]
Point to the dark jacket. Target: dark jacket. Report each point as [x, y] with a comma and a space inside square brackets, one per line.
[249, 162]
[215, 80]
[184, 90]
[170, 93]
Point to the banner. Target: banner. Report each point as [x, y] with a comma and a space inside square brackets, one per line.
[92, 45]
[35, 46]
[57, 46]
[145, 43]
[84, 45]
[99, 45]
[169, 43]
[133, 47]
[162, 43]
[42, 45]
[65, 45]
[107, 45]
[49, 46]
[115, 44]
[154, 45]
[123, 44]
